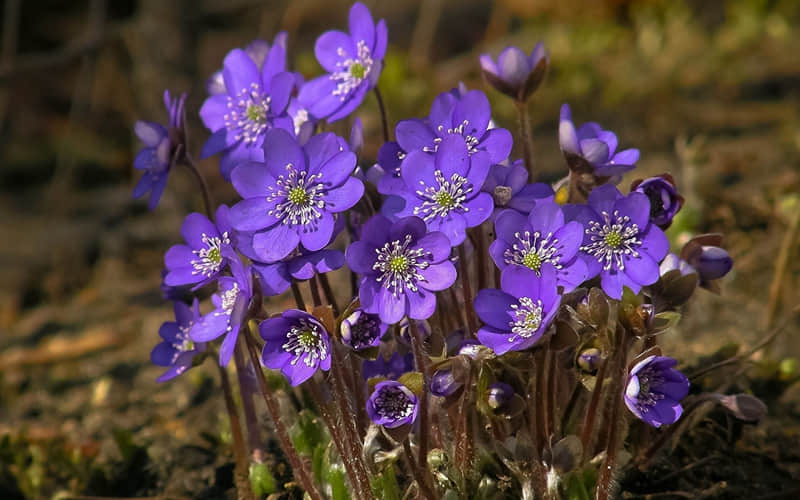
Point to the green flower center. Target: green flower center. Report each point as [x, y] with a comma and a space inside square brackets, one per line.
[445, 199]
[214, 255]
[358, 70]
[398, 264]
[188, 345]
[613, 239]
[307, 338]
[255, 113]
[532, 261]
[298, 196]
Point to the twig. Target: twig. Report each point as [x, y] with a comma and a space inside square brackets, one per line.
[769, 338]
[328, 291]
[781, 265]
[298, 297]
[422, 366]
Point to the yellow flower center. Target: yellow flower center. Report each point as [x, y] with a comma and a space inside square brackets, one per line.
[398, 264]
[532, 261]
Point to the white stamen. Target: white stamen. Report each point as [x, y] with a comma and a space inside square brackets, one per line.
[305, 341]
[612, 240]
[248, 113]
[447, 196]
[399, 266]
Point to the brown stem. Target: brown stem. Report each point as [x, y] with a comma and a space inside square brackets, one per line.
[315, 297]
[540, 410]
[239, 450]
[605, 483]
[550, 394]
[361, 397]
[299, 466]
[188, 162]
[467, 287]
[464, 450]
[422, 366]
[328, 291]
[352, 440]
[246, 391]
[483, 258]
[418, 472]
[526, 136]
[384, 119]
[298, 297]
[591, 410]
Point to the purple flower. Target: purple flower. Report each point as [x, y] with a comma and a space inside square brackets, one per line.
[540, 240]
[230, 306]
[257, 50]
[177, 350]
[391, 368]
[620, 243]
[596, 146]
[392, 405]
[517, 316]
[254, 102]
[510, 190]
[206, 253]
[655, 390]
[515, 73]
[292, 197]
[353, 61]
[401, 266]
[444, 189]
[301, 264]
[297, 344]
[362, 330]
[665, 201]
[467, 117]
[161, 146]
[388, 179]
[500, 395]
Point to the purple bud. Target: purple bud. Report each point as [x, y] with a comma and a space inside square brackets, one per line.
[499, 395]
[444, 384]
[665, 201]
[361, 330]
[392, 405]
[471, 348]
[516, 73]
[589, 360]
[712, 263]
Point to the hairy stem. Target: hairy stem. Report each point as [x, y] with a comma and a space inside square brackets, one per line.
[328, 291]
[239, 451]
[467, 288]
[246, 390]
[299, 466]
[591, 410]
[526, 136]
[422, 366]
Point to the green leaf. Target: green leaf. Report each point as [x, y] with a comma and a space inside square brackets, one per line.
[663, 321]
[262, 480]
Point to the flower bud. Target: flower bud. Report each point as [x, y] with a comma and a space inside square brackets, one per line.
[361, 330]
[665, 201]
[589, 360]
[712, 263]
[500, 394]
[405, 332]
[516, 73]
[444, 384]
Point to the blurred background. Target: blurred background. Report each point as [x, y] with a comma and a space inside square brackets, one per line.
[707, 90]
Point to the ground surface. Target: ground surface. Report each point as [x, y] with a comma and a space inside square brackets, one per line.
[709, 93]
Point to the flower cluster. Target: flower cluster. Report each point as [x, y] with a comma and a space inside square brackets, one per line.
[456, 282]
